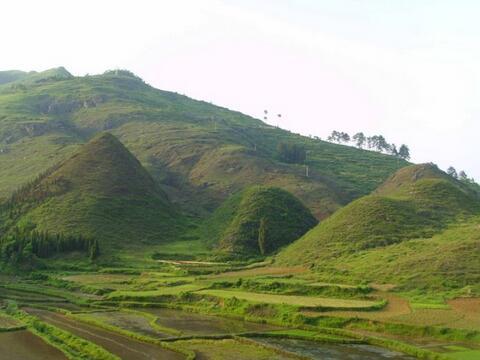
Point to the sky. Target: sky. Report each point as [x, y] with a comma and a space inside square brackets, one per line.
[406, 69]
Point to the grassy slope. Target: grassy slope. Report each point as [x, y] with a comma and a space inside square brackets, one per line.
[101, 191]
[199, 151]
[418, 229]
[286, 220]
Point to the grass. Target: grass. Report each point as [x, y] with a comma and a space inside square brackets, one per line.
[146, 295]
[303, 301]
[284, 216]
[462, 353]
[423, 239]
[173, 136]
[418, 306]
[222, 349]
[87, 195]
[8, 323]
[72, 346]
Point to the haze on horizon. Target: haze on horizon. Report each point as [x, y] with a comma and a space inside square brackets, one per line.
[406, 69]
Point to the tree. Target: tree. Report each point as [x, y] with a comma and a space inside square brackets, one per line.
[344, 137]
[452, 172]
[339, 137]
[334, 136]
[393, 150]
[291, 153]
[359, 139]
[462, 176]
[372, 141]
[262, 236]
[404, 152]
[382, 144]
[94, 250]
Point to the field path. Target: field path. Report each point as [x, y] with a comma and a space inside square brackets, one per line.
[124, 347]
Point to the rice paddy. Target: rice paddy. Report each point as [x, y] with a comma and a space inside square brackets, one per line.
[303, 301]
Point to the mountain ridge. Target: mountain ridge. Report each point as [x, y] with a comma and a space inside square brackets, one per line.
[176, 138]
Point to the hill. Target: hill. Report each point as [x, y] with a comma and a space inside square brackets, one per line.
[11, 76]
[101, 192]
[416, 204]
[236, 226]
[201, 153]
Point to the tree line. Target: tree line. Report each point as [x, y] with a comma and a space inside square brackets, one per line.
[375, 142]
[461, 175]
[20, 246]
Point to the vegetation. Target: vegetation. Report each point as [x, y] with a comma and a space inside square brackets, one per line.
[200, 152]
[376, 142]
[295, 300]
[291, 153]
[72, 346]
[266, 219]
[377, 231]
[101, 192]
[21, 247]
[183, 235]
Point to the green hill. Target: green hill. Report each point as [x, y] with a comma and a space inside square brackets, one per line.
[418, 202]
[234, 227]
[201, 153]
[102, 192]
[11, 76]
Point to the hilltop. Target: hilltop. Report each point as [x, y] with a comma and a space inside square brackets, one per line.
[101, 192]
[199, 152]
[416, 206]
[257, 221]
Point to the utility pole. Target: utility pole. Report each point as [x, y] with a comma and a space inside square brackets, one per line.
[306, 170]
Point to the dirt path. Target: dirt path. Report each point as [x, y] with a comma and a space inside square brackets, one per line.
[124, 347]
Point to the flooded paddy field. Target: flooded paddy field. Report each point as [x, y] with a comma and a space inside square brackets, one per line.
[129, 321]
[23, 345]
[122, 346]
[198, 324]
[321, 351]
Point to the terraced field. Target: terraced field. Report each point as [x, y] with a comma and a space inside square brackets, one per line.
[304, 301]
[124, 347]
[126, 320]
[7, 322]
[226, 349]
[189, 323]
[23, 345]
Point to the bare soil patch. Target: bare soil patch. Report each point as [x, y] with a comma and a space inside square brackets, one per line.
[23, 345]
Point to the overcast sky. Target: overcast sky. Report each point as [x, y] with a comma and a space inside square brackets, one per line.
[409, 70]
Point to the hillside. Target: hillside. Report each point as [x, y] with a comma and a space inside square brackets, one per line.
[11, 76]
[236, 225]
[201, 153]
[416, 204]
[102, 192]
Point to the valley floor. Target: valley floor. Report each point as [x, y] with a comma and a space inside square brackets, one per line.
[208, 310]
